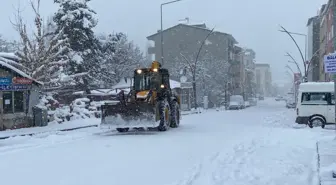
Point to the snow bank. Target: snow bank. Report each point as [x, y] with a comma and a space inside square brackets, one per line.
[50, 127]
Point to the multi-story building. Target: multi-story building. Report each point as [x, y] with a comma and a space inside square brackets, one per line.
[250, 73]
[327, 35]
[236, 72]
[182, 43]
[184, 39]
[313, 48]
[323, 41]
[264, 79]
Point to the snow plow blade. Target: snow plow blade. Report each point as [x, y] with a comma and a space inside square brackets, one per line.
[132, 115]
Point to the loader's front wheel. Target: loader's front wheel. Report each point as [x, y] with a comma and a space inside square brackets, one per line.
[164, 111]
[175, 115]
[122, 129]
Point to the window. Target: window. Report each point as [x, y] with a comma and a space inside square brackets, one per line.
[333, 99]
[314, 99]
[18, 101]
[7, 98]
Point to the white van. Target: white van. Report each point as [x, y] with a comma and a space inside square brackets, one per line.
[316, 104]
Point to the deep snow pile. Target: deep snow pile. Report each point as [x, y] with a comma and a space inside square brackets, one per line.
[80, 108]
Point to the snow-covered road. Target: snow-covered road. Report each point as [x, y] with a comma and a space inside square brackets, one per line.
[257, 146]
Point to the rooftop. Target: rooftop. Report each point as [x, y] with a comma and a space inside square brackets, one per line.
[202, 26]
[9, 61]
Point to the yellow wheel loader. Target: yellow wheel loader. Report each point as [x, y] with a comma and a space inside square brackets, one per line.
[150, 103]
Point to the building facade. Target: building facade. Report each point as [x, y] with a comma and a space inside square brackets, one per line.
[323, 41]
[250, 73]
[19, 93]
[181, 45]
[186, 40]
[327, 35]
[313, 48]
[236, 72]
[264, 79]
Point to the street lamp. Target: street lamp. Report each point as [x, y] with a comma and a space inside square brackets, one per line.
[161, 34]
[297, 46]
[297, 65]
[300, 34]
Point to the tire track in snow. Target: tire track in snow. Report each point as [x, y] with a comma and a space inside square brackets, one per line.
[248, 164]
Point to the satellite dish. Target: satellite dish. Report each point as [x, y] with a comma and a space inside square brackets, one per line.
[183, 79]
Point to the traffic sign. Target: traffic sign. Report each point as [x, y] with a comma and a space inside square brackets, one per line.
[330, 63]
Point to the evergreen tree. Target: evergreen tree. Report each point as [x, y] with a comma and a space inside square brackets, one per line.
[76, 21]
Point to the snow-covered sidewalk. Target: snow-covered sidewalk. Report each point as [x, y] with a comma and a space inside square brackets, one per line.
[327, 162]
[66, 126]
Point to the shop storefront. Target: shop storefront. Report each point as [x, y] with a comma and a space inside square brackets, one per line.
[18, 94]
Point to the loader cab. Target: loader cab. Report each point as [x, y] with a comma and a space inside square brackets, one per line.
[146, 79]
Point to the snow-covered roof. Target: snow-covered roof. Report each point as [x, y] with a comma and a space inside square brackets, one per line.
[317, 87]
[5, 64]
[9, 56]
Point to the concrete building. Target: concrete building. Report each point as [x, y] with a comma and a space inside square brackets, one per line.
[313, 48]
[323, 41]
[250, 73]
[264, 79]
[183, 39]
[327, 35]
[236, 72]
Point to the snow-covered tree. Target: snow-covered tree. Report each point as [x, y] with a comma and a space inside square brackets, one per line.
[7, 46]
[76, 20]
[39, 52]
[119, 57]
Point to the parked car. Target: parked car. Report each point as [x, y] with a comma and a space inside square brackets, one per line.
[290, 103]
[236, 102]
[279, 98]
[253, 101]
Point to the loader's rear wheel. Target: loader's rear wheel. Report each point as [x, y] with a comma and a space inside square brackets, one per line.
[175, 115]
[164, 111]
[122, 129]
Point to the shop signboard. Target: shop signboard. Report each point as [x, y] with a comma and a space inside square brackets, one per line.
[26, 81]
[5, 81]
[13, 87]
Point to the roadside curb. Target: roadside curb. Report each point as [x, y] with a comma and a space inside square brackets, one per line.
[42, 132]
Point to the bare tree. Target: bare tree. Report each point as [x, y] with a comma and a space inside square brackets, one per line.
[193, 66]
[41, 53]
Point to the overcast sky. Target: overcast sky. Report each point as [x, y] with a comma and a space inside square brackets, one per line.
[254, 23]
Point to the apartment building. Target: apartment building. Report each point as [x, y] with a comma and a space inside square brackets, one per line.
[323, 41]
[327, 35]
[264, 79]
[313, 38]
[186, 39]
[250, 73]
